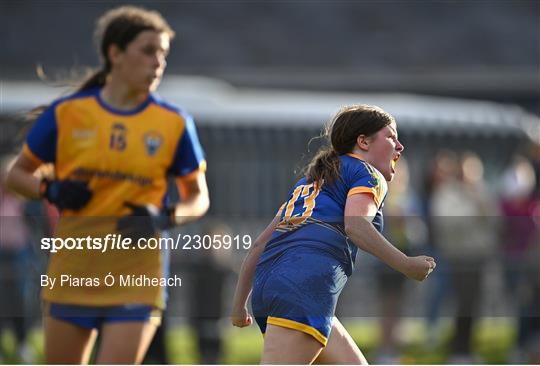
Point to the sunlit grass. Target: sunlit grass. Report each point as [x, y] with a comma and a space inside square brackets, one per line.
[493, 340]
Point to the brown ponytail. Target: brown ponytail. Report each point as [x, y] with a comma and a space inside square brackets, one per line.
[96, 79]
[341, 134]
[324, 167]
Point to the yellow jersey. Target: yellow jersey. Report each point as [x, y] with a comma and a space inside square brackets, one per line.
[125, 157]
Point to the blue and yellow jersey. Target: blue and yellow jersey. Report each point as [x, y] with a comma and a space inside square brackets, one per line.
[124, 156]
[314, 217]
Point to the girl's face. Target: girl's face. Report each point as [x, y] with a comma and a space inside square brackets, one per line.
[142, 64]
[385, 150]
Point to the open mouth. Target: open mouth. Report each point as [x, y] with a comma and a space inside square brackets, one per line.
[394, 162]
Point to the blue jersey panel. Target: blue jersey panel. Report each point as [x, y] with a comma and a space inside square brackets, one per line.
[314, 216]
[189, 153]
[42, 137]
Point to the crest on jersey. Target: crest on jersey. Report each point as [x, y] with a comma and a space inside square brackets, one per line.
[378, 182]
[152, 142]
[375, 180]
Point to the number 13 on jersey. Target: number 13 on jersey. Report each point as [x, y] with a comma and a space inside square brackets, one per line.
[300, 206]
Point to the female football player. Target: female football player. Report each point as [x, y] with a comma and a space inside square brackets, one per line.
[300, 263]
[113, 144]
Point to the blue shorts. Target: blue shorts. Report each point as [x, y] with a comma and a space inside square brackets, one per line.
[299, 290]
[95, 316]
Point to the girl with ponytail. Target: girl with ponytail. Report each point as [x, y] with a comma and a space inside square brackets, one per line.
[113, 144]
[298, 266]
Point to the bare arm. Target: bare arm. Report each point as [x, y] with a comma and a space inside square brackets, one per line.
[195, 199]
[359, 211]
[240, 316]
[20, 177]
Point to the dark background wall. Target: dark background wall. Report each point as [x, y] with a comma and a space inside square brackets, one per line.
[477, 49]
[485, 49]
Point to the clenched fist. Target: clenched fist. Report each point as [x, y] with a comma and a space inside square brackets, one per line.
[418, 268]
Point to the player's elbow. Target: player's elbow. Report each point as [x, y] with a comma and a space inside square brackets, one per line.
[348, 229]
[7, 180]
[354, 229]
[199, 205]
[351, 227]
[204, 204]
[11, 180]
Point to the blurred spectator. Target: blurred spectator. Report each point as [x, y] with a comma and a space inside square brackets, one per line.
[533, 154]
[211, 269]
[15, 255]
[534, 343]
[444, 161]
[406, 229]
[517, 205]
[532, 336]
[157, 353]
[520, 240]
[465, 233]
